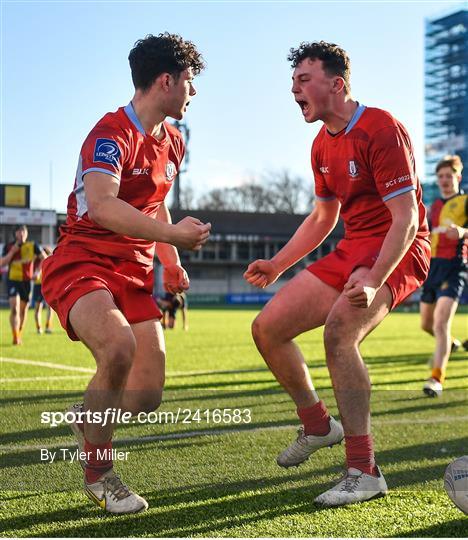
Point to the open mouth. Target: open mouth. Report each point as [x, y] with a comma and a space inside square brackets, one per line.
[303, 105]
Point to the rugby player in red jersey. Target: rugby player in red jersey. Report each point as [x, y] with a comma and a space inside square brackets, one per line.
[448, 218]
[364, 170]
[100, 278]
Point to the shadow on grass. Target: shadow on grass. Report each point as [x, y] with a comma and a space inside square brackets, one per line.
[204, 509]
[28, 456]
[384, 403]
[429, 405]
[198, 510]
[450, 529]
[400, 478]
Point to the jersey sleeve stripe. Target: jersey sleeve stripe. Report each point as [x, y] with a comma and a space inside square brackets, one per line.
[98, 169]
[81, 202]
[399, 192]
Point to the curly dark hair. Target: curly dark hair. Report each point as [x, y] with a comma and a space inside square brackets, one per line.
[334, 59]
[164, 53]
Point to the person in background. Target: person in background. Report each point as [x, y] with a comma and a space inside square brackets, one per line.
[38, 299]
[20, 273]
[448, 220]
[169, 305]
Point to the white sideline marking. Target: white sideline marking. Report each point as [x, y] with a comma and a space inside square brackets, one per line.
[217, 433]
[47, 365]
[66, 367]
[52, 378]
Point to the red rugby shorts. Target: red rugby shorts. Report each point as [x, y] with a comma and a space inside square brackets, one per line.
[334, 269]
[72, 272]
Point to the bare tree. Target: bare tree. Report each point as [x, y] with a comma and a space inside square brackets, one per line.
[255, 197]
[222, 199]
[187, 197]
[290, 193]
[278, 192]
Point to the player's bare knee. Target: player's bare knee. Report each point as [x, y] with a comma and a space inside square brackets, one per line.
[440, 327]
[336, 339]
[265, 331]
[258, 329]
[117, 360]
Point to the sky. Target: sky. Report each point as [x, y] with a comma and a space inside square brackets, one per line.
[64, 65]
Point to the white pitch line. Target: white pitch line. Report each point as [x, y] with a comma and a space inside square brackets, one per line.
[66, 367]
[217, 433]
[51, 378]
[51, 365]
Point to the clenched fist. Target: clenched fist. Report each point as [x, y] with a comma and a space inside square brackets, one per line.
[261, 273]
[175, 279]
[190, 233]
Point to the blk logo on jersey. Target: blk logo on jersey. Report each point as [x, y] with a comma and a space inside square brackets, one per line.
[171, 171]
[106, 151]
[353, 170]
[140, 172]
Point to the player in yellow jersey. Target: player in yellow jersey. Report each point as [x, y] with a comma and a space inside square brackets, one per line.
[20, 273]
[448, 219]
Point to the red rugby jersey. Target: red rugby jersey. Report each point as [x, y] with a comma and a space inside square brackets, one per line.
[145, 168]
[364, 165]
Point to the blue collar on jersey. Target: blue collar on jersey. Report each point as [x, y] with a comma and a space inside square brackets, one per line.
[357, 114]
[130, 111]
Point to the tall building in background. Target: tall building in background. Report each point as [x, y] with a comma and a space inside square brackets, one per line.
[446, 89]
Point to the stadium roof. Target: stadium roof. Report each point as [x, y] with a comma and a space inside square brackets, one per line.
[245, 223]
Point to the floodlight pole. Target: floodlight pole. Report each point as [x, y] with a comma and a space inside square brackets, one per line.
[183, 128]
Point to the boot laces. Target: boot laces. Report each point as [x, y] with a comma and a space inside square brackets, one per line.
[117, 488]
[351, 483]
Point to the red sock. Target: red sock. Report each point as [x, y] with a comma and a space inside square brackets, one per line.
[98, 460]
[360, 453]
[315, 419]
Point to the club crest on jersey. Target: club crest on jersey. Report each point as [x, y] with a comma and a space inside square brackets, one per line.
[353, 170]
[171, 171]
[106, 151]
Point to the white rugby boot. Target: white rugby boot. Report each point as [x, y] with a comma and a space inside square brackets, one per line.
[112, 495]
[432, 388]
[455, 345]
[79, 435]
[305, 445]
[355, 486]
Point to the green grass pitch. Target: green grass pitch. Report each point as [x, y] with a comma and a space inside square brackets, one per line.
[221, 479]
